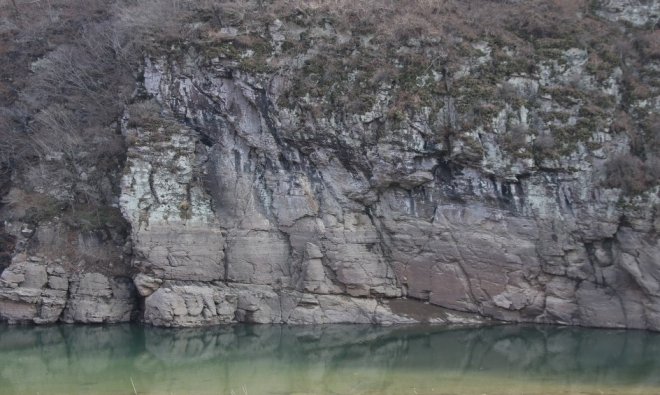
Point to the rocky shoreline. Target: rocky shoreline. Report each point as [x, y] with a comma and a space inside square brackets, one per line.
[35, 290]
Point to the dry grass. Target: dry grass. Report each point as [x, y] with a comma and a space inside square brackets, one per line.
[629, 173]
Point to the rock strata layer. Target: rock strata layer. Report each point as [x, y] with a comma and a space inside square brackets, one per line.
[36, 290]
[191, 304]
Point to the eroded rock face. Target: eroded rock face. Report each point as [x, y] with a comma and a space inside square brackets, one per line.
[146, 285]
[247, 206]
[94, 298]
[186, 305]
[32, 290]
[190, 304]
[37, 290]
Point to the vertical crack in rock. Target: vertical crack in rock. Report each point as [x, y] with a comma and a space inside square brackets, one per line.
[152, 188]
[461, 262]
[263, 104]
[384, 244]
[226, 262]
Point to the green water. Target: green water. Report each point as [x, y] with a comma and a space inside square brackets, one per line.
[354, 359]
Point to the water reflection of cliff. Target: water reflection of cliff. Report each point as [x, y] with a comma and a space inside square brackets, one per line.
[77, 359]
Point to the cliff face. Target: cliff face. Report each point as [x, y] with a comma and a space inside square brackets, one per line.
[335, 208]
[280, 195]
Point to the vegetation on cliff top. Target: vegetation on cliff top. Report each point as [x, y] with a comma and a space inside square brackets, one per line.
[69, 67]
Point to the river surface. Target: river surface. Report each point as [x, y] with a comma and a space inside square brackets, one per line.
[339, 359]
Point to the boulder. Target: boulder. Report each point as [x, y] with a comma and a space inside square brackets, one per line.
[146, 285]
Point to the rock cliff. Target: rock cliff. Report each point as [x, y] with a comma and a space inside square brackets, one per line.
[262, 186]
[332, 203]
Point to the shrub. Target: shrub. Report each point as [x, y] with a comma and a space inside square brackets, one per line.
[629, 173]
[516, 137]
[507, 92]
[544, 146]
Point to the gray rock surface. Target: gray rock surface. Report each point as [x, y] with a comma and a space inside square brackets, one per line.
[146, 285]
[307, 231]
[636, 12]
[94, 298]
[32, 290]
[482, 184]
[186, 305]
[37, 290]
[190, 304]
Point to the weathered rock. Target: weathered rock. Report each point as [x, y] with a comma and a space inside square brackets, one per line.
[257, 257]
[187, 305]
[636, 12]
[27, 230]
[641, 260]
[313, 272]
[181, 304]
[146, 285]
[93, 298]
[174, 232]
[312, 217]
[338, 309]
[32, 290]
